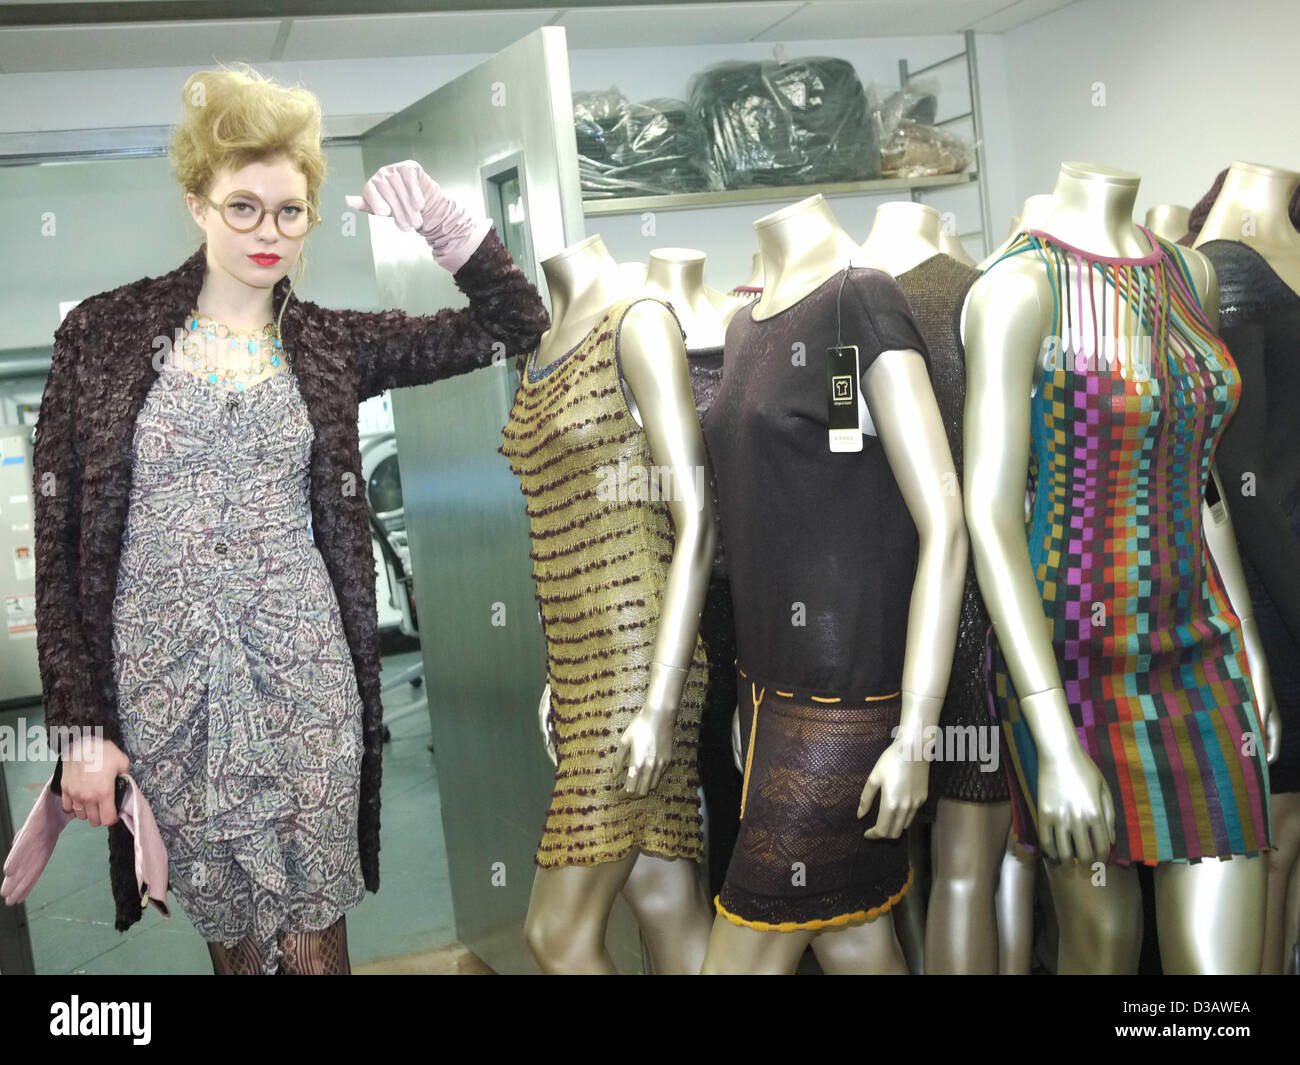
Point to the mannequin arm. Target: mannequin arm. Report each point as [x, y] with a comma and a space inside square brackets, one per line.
[1002, 329]
[1222, 546]
[903, 409]
[1221, 540]
[652, 360]
[505, 316]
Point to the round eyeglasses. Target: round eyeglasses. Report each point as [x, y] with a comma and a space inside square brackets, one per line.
[243, 212]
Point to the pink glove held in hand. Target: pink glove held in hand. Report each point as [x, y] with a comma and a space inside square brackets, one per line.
[415, 201]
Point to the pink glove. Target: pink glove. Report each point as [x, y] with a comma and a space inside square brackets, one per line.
[415, 201]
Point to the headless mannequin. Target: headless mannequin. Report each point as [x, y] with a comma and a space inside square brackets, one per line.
[1248, 209]
[1032, 213]
[676, 275]
[950, 244]
[903, 235]
[1211, 914]
[969, 838]
[802, 247]
[570, 906]
[1252, 208]
[1168, 220]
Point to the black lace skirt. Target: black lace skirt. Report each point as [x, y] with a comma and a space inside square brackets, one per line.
[802, 861]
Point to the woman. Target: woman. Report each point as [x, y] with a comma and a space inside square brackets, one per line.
[198, 432]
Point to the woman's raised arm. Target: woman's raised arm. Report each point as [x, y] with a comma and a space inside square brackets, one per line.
[505, 316]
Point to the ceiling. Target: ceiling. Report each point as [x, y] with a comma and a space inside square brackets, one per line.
[53, 35]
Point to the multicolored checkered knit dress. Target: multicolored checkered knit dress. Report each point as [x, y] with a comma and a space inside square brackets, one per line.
[1149, 650]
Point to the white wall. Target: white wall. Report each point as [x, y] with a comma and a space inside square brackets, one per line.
[1190, 85]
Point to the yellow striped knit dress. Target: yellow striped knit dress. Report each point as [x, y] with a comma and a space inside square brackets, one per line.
[602, 541]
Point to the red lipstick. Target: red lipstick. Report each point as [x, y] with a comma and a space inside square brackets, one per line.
[265, 260]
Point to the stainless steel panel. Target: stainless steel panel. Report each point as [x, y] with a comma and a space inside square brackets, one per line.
[483, 651]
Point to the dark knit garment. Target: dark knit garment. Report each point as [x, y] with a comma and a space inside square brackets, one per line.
[718, 776]
[1259, 464]
[821, 547]
[103, 368]
[821, 552]
[936, 290]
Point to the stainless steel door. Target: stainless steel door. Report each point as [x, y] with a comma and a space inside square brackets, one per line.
[499, 137]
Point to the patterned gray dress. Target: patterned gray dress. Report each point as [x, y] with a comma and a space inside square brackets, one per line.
[239, 702]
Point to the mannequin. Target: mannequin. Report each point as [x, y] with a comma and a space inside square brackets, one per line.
[677, 276]
[803, 248]
[1249, 238]
[903, 235]
[1032, 213]
[570, 903]
[1168, 220]
[1211, 911]
[970, 811]
[950, 244]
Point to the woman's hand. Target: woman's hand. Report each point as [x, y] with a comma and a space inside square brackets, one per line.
[90, 771]
[404, 192]
[645, 748]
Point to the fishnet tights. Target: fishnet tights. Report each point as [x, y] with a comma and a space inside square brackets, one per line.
[323, 953]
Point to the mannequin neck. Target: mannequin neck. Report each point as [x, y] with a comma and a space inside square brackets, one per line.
[583, 280]
[903, 235]
[1092, 208]
[1168, 220]
[801, 245]
[677, 275]
[1253, 207]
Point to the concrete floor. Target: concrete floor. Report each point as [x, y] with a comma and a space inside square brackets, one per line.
[406, 927]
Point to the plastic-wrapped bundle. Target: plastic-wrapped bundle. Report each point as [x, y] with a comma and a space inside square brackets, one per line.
[639, 149]
[596, 116]
[791, 123]
[910, 144]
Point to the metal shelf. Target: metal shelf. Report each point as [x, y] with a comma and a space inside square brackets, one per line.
[687, 201]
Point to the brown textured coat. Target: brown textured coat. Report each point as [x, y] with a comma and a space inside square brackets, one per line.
[103, 367]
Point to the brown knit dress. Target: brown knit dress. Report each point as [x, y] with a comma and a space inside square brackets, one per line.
[602, 541]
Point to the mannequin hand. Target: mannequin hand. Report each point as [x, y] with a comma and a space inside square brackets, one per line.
[735, 741]
[90, 772]
[646, 749]
[1272, 727]
[1076, 816]
[1270, 722]
[902, 783]
[544, 720]
[415, 201]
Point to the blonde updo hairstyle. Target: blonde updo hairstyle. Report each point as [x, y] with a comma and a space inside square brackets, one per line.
[235, 117]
